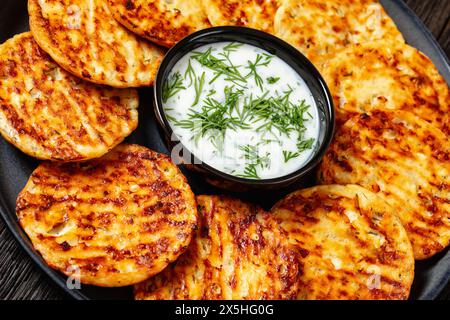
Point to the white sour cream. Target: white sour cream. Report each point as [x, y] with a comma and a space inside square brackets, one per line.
[242, 110]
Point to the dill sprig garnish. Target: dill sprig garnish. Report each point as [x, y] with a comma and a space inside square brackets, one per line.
[172, 86]
[273, 112]
[232, 46]
[289, 155]
[254, 160]
[303, 145]
[272, 80]
[221, 66]
[214, 118]
[199, 82]
[232, 97]
[189, 73]
[260, 61]
[278, 112]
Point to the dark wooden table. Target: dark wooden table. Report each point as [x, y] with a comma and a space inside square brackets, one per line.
[21, 279]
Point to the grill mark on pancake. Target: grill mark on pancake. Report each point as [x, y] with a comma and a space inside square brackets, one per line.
[55, 115]
[398, 77]
[336, 247]
[320, 29]
[250, 13]
[422, 209]
[18, 123]
[90, 30]
[162, 22]
[83, 118]
[65, 121]
[95, 49]
[105, 220]
[236, 254]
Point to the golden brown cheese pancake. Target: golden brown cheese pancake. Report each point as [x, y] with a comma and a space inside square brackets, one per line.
[353, 246]
[383, 76]
[406, 161]
[257, 14]
[319, 28]
[161, 21]
[237, 253]
[110, 222]
[50, 114]
[83, 38]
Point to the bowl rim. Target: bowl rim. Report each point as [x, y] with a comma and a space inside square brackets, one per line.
[263, 37]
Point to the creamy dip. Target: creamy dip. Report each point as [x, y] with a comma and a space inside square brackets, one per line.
[241, 110]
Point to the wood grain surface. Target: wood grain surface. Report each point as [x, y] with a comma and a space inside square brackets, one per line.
[20, 278]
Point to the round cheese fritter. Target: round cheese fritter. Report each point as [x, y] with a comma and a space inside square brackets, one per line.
[161, 21]
[406, 161]
[84, 38]
[320, 28]
[111, 222]
[237, 253]
[257, 14]
[383, 76]
[353, 245]
[50, 114]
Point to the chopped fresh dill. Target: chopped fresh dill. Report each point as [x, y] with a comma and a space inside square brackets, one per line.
[214, 118]
[268, 141]
[232, 98]
[250, 172]
[303, 145]
[260, 61]
[170, 118]
[211, 92]
[199, 82]
[189, 73]
[273, 112]
[254, 160]
[232, 46]
[220, 66]
[172, 86]
[280, 113]
[272, 80]
[289, 155]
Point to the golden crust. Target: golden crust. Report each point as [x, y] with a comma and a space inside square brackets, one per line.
[247, 13]
[383, 76]
[50, 114]
[83, 38]
[406, 161]
[320, 28]
[110, 222]
[238, 253]
[353, 246]
[163, 22]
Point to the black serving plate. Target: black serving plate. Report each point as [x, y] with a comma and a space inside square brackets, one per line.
[431, 275]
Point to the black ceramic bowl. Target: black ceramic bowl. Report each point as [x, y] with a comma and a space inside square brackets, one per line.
[276, 47]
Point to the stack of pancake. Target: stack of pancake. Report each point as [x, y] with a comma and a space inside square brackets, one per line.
[118, 215]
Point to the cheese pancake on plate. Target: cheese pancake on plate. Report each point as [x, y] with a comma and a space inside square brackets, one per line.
[50, 114]
[406, 161]
[237, 253]
[320, 28]
[110, 222]
[353, 245]
[161, 21]
[383, 76]
[257, 14]
[84, 38]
